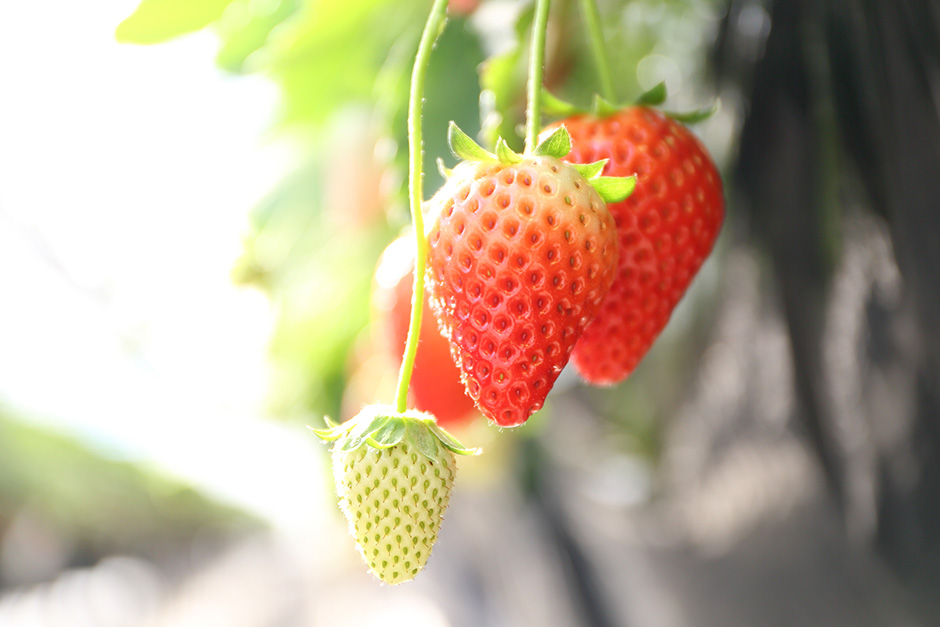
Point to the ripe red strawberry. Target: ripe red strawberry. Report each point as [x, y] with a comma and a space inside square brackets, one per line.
[435, 380]
[522, 252]
[667, 228]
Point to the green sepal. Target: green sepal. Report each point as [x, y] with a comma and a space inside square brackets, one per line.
[388, 435]
[443, 169]
[694, 117]
[654, 96]
[451, 443]
[327, 435]
[557, 145]
[362, 431]
[552, 105]
[421, 438]
[603, 108]
[613, 188]
[505, 154]
[464, 147]
[589, 170]
[381, 427]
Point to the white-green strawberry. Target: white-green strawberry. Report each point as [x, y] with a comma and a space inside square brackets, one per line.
[394, 474]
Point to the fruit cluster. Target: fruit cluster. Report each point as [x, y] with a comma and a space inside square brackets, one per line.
[529, 267]
[528, 260]
[532, 259]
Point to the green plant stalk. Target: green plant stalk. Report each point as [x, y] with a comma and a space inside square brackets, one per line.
[432, 29]
[592, 20]
[533, 113]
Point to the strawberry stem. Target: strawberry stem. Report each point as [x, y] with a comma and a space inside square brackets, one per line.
[592, 20]
[533, 114]
[432, 29]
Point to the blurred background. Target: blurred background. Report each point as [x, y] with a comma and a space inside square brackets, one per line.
[194, 197]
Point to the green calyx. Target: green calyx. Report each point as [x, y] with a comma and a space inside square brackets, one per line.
[556, 145]
[602, 108]
[381, 427]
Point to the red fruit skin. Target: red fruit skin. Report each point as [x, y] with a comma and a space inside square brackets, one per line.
[667, 228]
[435, 380]
[463, 7]
[520, 258]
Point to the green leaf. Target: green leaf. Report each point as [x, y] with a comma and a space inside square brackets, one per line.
[552, 105]
[302, 58]
[245, 30]
[505, 154]
[654, 96]
[557, 145]
[603, 108]
[465, 148]
[693, 117]
[155, 21]
[614, 189]
[590, 170]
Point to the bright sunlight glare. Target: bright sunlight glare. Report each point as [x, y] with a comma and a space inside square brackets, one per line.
[126, 178]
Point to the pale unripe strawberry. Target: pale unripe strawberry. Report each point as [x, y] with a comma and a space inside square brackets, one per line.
[394, 475]
[394, 500]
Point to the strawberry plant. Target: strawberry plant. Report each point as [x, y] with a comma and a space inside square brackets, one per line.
[529, 258]
[394, 467]
[522, 251]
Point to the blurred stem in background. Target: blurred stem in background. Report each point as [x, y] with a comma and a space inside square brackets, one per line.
[592, 21]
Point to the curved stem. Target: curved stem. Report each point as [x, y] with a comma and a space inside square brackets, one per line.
[533, 113]
[592, 20]
[432, 29]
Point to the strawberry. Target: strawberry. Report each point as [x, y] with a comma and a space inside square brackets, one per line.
[462, 8]
[666, 229]
[394, 475]
[435, 380]
[522, 252]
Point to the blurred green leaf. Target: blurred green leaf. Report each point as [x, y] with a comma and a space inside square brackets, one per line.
[331, 55]
[316, 267]
[155, 21]
[244, 30]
